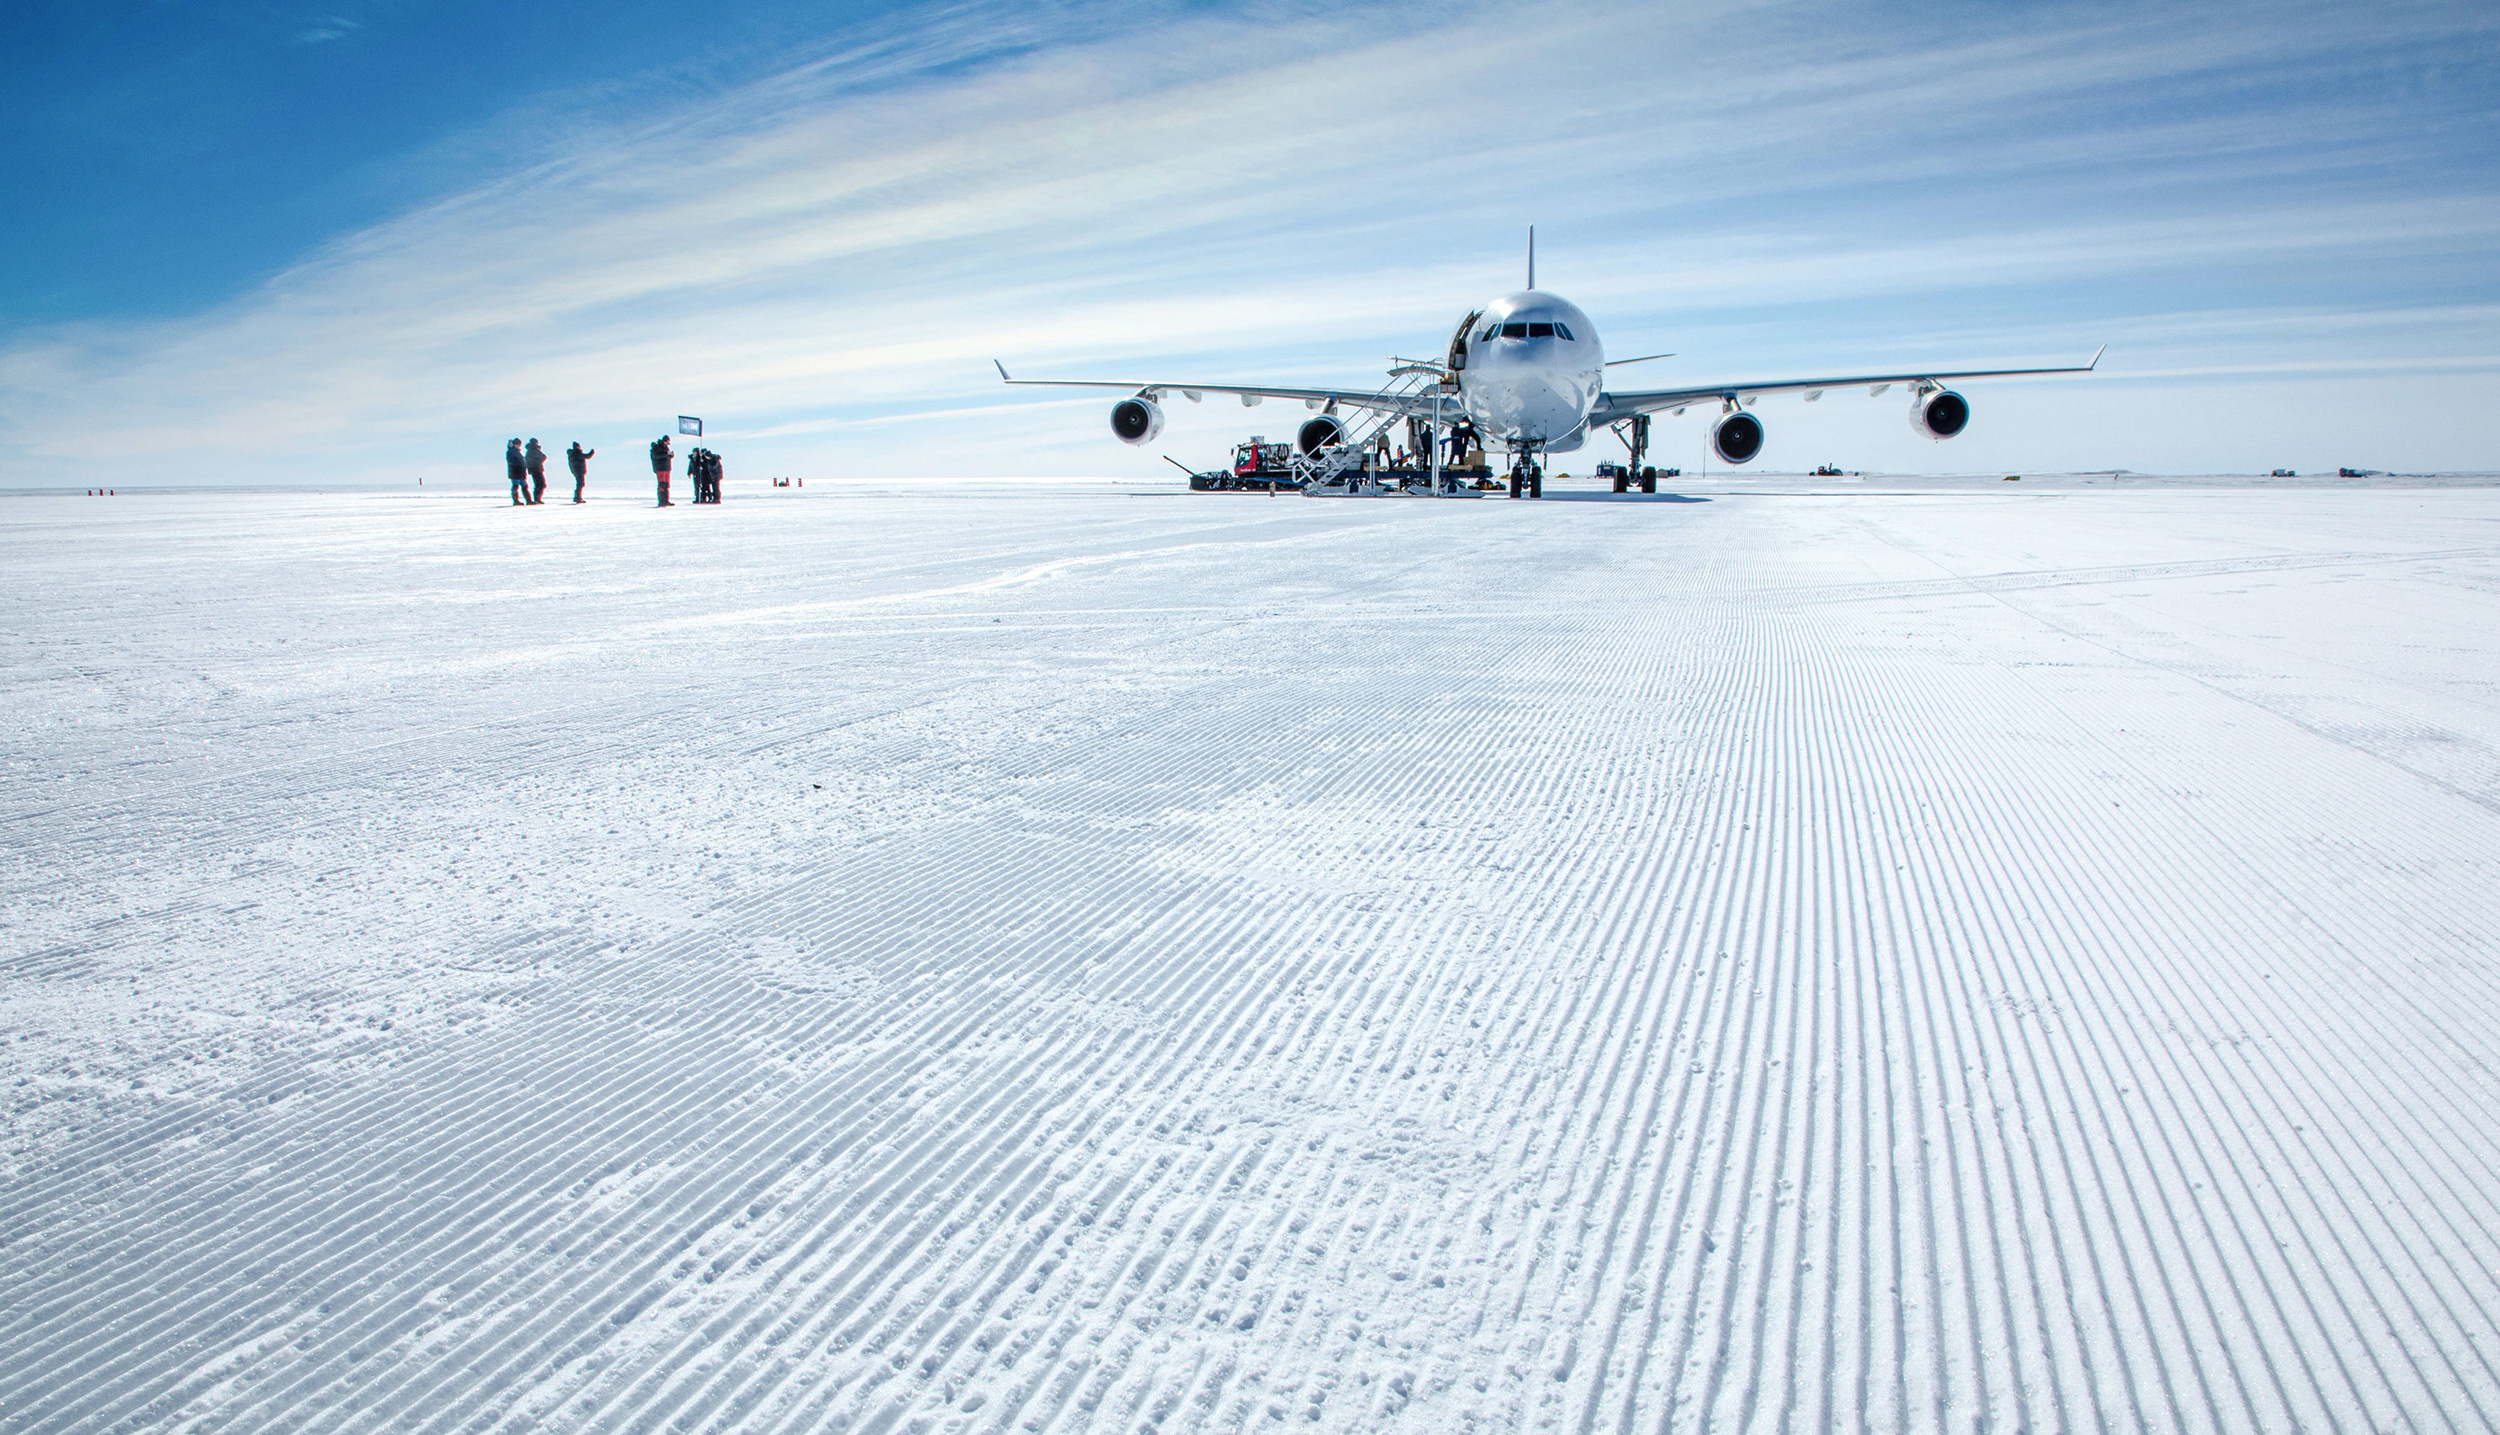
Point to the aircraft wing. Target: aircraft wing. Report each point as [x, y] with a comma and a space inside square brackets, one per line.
[1249, 394]
[1615, 407]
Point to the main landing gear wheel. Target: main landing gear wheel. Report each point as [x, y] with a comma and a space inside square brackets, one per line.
[1536, 482]
[1518, 481]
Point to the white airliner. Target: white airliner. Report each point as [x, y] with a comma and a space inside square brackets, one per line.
[1527, 372]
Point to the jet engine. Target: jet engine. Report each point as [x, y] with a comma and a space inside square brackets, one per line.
[1136, 420]
[1737, 437]
[1940, 415]
[1319, 433]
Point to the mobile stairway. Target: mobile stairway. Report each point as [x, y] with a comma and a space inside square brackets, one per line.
[1349, 463]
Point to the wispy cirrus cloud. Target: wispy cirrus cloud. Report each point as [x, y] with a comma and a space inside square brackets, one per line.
[326, 28]
[814, 257]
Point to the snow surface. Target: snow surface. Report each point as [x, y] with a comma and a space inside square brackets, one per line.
[1042, 957]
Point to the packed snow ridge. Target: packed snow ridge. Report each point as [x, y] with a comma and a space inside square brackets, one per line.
[1951, 955]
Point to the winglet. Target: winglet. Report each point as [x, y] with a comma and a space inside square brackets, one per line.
[1002, 373]
[2096, 358]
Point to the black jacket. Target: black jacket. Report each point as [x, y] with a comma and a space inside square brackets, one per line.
[661, 456]
[577, 458]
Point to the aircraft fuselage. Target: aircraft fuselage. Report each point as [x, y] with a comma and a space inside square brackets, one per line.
[1530, 368]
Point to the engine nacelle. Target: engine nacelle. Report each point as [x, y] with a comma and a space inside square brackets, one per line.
[1940, 415]
[1319, 433]
[1136, 420]
[1737, 437]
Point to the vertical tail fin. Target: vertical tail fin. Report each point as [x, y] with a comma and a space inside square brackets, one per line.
[1532, 256]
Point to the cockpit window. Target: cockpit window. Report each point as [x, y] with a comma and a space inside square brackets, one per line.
[1491, 332]
[1540, 331]
[1565, 331]
[1515, 331]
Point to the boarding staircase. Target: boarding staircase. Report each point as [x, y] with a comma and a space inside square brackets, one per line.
[1340, 470]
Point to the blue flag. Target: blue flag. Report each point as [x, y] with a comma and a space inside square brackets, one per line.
[689, 424]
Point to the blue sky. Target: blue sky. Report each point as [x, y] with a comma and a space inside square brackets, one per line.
[363, 241]
[267, 129]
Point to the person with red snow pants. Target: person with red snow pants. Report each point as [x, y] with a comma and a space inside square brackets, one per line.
[662, 456]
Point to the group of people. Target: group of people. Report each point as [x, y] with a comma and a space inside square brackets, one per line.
[703, 470]
[526, 465]
[1460, 441]
[527, 468]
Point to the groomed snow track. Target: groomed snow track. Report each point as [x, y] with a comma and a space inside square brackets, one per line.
[1942, 959]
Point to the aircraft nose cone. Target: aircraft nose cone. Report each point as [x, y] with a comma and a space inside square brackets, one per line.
[1533, 406]
[1553, 410]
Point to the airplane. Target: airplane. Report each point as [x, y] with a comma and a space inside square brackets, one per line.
[1528, 371]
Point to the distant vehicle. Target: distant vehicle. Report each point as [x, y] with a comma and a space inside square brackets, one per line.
[2356, 473]
[2283, 473]
[1528, 371]
[1827, 471]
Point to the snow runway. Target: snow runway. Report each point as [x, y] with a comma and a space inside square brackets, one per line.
[1057, 959]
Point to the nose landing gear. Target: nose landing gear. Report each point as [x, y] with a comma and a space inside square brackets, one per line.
[1526, 475]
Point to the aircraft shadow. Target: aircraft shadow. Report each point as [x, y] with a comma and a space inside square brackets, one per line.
[1555, 496]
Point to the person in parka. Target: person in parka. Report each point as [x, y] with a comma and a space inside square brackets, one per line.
[661, 458]
[516, 468]
[538, 471]
[577, 458]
